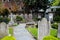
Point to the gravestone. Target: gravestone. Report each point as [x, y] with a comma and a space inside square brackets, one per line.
[30, 17]
[43, 29]
[21, 15]
[58, 30]
[26, 17]
[3, 30]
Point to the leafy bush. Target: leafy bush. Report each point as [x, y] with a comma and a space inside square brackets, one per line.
[55, 25]
[1, 19]
[56, 18]
[9, 38]
[5, 12]
[19, 18]
[6, 20]
[50, 38]
[35, 19]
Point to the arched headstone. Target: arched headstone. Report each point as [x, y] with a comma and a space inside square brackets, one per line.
[3, 30]
[30, 17]
[43, 28]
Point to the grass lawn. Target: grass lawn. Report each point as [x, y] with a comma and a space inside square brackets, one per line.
[53, 32]
[11, 31]
[33, 31]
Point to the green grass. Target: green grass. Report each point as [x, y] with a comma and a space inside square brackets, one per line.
[11, 31]
[33, 31]
[53, 32]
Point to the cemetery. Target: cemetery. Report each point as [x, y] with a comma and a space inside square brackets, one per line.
[29, 20]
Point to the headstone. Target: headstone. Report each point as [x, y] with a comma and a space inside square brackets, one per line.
[12, 17]
[30, 17]
[26, 17]
[58, 30]
[21, 15]
[3, 30]
[43, 29]
[51, 17]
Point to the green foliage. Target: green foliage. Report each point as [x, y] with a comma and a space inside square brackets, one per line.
[56, 3]
[35, 19]
[29, 2]
[9, 38]
[50, 38]
[1, 19]
[56, 18]
[19, 18]
[55, 25]
[11, 31]
[33, 31]
[5, 12]
[53, 32]
[6, 20]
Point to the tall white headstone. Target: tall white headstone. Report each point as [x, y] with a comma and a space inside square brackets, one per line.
[43, 29]
[3, 30]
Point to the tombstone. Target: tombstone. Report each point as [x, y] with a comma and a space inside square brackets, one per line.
[3, 30]
[26, 17]
[21, 15]
[12, 17]
[43, 29]
[58, 30]
[30, 17]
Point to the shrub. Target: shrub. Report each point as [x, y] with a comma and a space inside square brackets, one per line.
[6, 20]
[35, 19]
[50, 38]
[55, 25]
[9, 38]
[56, 18]
[1, 19]
[19, 18]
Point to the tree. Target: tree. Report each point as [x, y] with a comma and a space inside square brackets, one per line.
[56, 3]
[36, 4]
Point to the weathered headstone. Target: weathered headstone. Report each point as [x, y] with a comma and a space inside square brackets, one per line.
[43, 29]
[3, 30]
[30, 17]
[21, 15]
[26, 17]
[58, 30]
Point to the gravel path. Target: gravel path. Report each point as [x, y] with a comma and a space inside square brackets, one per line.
[21, 33]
